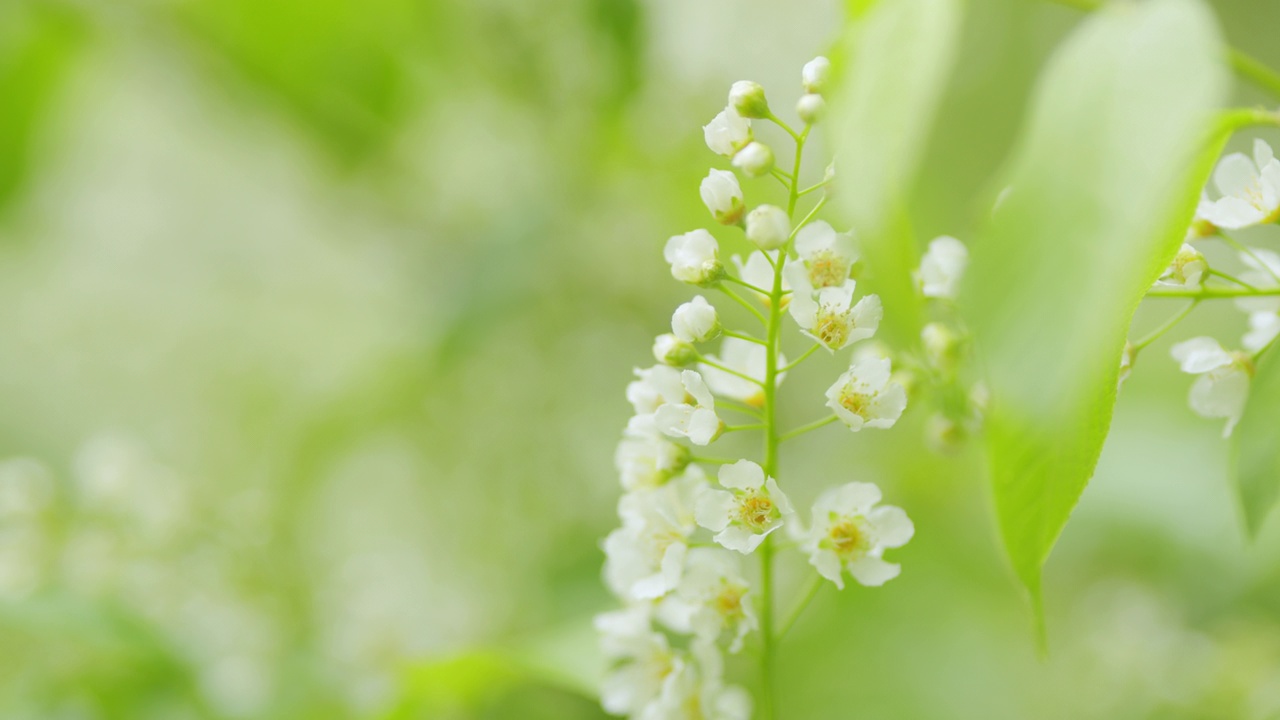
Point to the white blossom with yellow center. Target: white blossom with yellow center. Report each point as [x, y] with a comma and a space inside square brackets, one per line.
[713, 599]
[827, 257]
[1223, 385]
[694, 417]
[1250, 189]
[865, 396]
[751, 508]
[644, 559]
[829, 314]
[747, 358]
[850, 533]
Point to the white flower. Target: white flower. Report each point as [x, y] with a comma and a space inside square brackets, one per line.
[727, 133]
[695, 690]
[747, 358]
[694, 258]
[712, 598]
[754, 160]
[646, 459]
[1187, 269]
[942, 267]
[865, 396]
[814, 74]
[671, 350]
[698, 421]
[758, 271]
[743, 517]
[655, 387]
[768, 227]
[748, 99]
[1264, 266]
[827, 256]
[829, 315]
[1201, 227]
[1263, 328]
[645, 661]
[849, 532]
[644, 559]
[1223, 385]
[1250, 189]
[810, 108]
[696, 321]
[723, 196]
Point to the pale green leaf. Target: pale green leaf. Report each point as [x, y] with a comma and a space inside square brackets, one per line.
[1256, 445]
[894, 61]
[1103, 185]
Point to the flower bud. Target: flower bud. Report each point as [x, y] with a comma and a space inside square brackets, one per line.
[810, 108]
[727, 133]
[756, 159]
[748, 99]
[723, 196]
[696, 321]
[943, 434]
[814, 75]
[1187, 269]
[941, 345]
[694, 258]
[768, 227]
[671, 350]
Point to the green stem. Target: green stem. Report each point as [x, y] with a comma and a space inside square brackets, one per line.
[1155, 334]
[711, 460]
[802, 358]
[738, 299]
[810, 591]
[795, 172]
[712, 363]
[742, 336]
[1213, 293]
[811, 188]
[1248, 251]
[740, 428]
[1255, 72]
[778, 121]
[1231, 278]
[745, 284]
[806, 428]
[805, 221]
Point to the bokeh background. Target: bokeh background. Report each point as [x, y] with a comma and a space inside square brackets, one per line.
[315, 319]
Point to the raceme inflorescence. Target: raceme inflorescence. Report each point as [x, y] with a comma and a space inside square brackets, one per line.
[692, 525]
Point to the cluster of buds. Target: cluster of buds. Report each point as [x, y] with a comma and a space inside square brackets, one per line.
[689, 522]
[1248, 195]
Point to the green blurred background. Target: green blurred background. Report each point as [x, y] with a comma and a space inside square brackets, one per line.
[315, 319]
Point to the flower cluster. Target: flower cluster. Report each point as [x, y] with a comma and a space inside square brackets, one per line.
[690, 523]
[1248, 190]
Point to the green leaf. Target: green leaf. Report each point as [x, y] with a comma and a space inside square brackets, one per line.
[894, 60]
[1255, 445]
[1102, 188]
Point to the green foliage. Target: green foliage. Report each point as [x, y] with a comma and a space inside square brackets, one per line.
[1256, 446]
[37, 46]
[897, 55]
[1101, 190]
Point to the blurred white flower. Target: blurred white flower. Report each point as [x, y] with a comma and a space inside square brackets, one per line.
[727, 133]
[1223, 385]
[646, 459]
[694, 257]
[768, 227]
[695, 321]
[696, 690]
[827, 256]
[1263, 328]
[850, 533]
[829, 315]
[713, 598]
[1187, 270]
[644, 661]
[748, 99]
[1250, 189]
[644, 559]
[698, 421]
[941, 345]
[723, 196]
[754, 160]
[814, 74]
[745, 357]
[942, 267]
[744, 515]
[865, 396]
